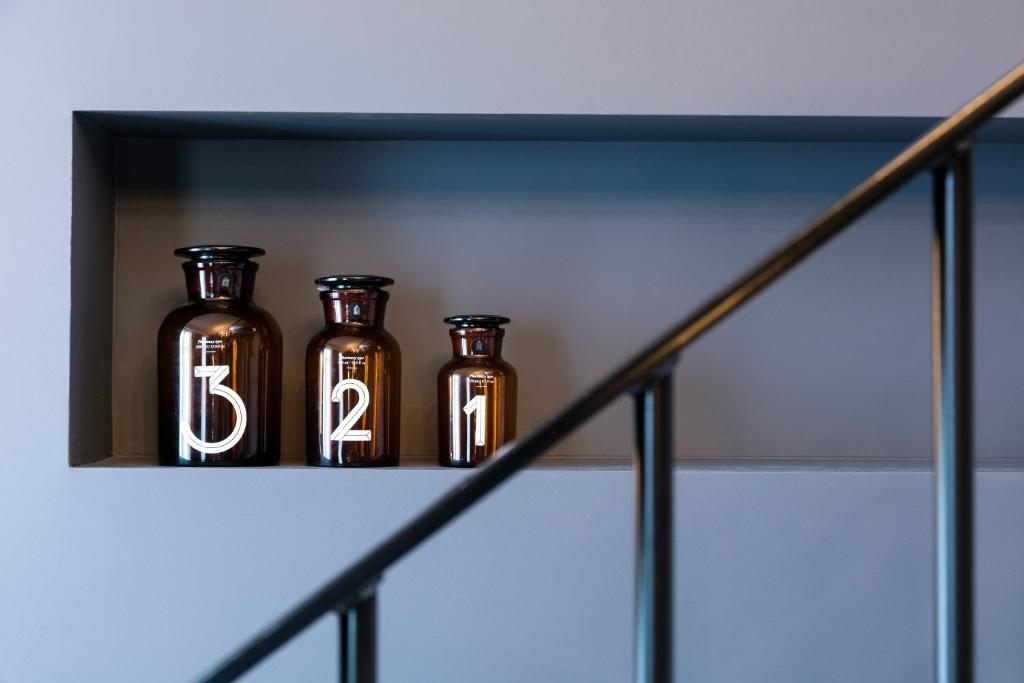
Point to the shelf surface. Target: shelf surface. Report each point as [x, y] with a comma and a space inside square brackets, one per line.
[609, 462]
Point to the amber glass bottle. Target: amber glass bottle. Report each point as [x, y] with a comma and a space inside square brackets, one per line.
[476, 392]
[353, 377]
[219, 366]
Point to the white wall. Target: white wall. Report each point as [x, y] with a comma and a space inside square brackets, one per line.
[151, 574]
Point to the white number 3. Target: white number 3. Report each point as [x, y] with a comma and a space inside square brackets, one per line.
[217, 374]
[344, 432]
[478, 405]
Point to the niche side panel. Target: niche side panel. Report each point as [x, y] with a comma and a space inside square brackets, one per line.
[92, 269]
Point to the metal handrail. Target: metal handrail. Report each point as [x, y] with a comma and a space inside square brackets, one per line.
[643, 375]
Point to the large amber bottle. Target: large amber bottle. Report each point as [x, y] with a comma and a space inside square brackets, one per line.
[476, 392]
[219, 366]
[353, 377]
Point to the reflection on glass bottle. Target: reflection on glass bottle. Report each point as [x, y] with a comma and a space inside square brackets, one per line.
[476, 392]
[219, 366]
[353, 377]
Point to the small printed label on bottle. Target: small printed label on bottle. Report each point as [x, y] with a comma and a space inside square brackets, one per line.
[482, 380]
[353, 361]
[206, 344]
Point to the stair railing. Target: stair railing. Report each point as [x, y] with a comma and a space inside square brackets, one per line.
[946, 149]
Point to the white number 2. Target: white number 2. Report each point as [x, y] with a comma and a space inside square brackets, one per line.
[478, 405]
[344, 432]
[217, 374]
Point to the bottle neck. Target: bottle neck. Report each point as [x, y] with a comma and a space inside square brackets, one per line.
[363, 307]
[220, 280]
[477, 342]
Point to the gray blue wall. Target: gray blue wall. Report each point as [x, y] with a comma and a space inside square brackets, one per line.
[592, 249]
[145, 574]
[130, 575]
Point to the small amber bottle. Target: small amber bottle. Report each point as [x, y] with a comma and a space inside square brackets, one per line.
[476, 392]
[219, 366]
[353, 377]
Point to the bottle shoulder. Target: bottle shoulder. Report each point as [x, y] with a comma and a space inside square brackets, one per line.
[353, 339]
[214, 317]
[497, 366]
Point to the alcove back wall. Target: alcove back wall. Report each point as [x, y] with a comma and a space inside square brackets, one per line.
[592, 249]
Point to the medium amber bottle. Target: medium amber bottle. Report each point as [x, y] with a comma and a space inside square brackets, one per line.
[219, 366]
[476, 392]
[353, 377]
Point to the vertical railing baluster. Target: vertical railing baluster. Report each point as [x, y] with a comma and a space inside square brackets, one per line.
[952, 377]
[358, 639]
[653, 635]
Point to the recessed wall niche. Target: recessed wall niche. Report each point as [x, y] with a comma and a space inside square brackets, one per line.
[592, 233]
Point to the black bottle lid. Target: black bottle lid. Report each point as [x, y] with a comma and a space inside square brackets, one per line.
[334, 282]
[476, 320]
[219, 252]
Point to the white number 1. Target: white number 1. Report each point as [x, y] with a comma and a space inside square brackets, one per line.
[344, 432]
[478, 405]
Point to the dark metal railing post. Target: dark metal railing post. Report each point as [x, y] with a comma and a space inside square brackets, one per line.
[358, 639]
[653, 635]
[952, 376]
